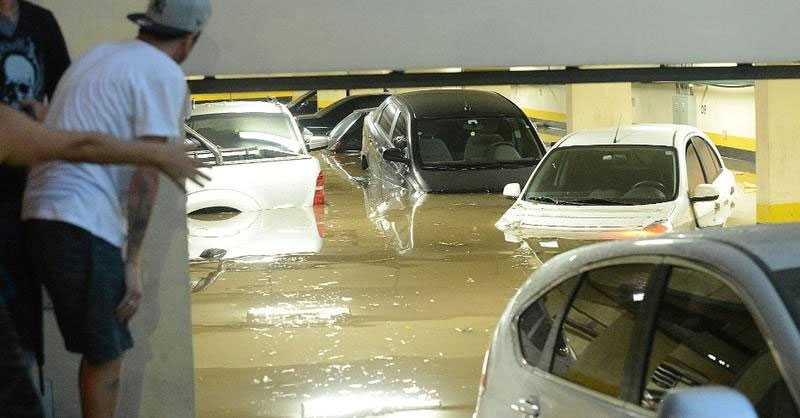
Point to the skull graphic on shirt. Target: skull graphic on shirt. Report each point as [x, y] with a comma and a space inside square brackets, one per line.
[19, 80]
[20, 72]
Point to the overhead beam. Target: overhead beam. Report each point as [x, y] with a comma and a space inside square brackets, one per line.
[474, 78]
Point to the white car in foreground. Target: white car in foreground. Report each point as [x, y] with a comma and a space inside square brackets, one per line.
[258, 159]
[697, 324]
[622, 182]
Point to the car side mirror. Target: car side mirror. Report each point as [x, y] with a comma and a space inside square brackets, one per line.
[396, 155]
[707, 402]
[400, 142]
[705, 193]
[512, 191]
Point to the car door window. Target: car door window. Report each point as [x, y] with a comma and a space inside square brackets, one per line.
[704, 335]
[387, 118]
[598, 327]
[536, 321]
[711, 165]
[400, 127]
[694, 171]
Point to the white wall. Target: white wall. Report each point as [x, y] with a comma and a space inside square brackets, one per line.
[728, 111]
[265, 36]
[724, 111]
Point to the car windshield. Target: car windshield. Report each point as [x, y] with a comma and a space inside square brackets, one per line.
[469, 143]
[264, 131]
[606, 175]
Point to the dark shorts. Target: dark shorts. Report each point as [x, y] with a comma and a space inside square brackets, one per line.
[85, 277]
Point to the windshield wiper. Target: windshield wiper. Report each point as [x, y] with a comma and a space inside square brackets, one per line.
[551, 200]
[600, 201]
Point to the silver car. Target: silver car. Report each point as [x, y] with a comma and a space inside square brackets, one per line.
[682, 323]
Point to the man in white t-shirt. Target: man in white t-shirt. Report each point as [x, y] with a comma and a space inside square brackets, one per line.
[78, 217]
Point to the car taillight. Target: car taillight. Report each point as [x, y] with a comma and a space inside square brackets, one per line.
[336, 146]
[319, 190]
[319, 216]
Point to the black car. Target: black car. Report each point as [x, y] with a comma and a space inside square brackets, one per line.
[322, 122]
[305, 104]
[450, 141]
[346, 135]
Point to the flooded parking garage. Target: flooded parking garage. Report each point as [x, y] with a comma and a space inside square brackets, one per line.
[383, 304]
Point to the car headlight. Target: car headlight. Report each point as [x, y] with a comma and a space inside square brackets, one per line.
[657, 228]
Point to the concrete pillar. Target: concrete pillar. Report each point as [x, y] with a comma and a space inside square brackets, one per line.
[777, 150]
[598, 105]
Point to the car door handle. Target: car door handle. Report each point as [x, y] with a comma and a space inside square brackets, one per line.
[733, 189]
[527, 407]
[717, 206]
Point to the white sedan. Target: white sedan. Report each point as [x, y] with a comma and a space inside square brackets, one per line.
[257, 159]
[622, 182]
[697, 324]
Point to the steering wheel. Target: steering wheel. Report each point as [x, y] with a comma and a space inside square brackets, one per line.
[489, 152]
[650, 183]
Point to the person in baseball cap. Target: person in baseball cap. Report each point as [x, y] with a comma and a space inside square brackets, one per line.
[173, 17]
[134, 90]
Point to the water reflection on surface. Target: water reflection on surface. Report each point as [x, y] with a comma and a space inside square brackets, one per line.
[389, 315]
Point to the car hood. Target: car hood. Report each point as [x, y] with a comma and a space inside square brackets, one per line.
[472, 180]
[533, 219]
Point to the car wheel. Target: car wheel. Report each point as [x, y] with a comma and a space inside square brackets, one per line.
[364, 163]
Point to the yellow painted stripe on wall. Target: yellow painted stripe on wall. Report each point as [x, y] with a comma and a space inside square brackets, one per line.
[321, 104]
[549, 138]
[211, 96]
[261, 94]
[241, 95]
[745, 177]
[778, 213]
[546, 115]
[738, 142]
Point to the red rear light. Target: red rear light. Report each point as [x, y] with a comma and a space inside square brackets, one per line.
[336, 146]
[319, 190]
[319, 216]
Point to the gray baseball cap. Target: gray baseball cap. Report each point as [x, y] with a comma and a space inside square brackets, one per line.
[174, 17]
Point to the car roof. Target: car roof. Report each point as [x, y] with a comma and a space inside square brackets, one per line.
[236, 107]
[655, 135]
[454, 103]
[776, 246]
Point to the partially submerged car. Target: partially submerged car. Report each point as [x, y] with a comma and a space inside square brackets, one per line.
[449, 141]
[323, 121]
[677, 324]
[622, 182]
[256, 155]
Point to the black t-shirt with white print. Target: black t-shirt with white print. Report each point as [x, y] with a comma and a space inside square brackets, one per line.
[32, 59]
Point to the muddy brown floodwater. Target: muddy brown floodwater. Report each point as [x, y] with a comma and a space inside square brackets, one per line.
[382, 305]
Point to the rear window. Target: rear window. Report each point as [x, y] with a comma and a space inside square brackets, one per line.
[261, 131]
